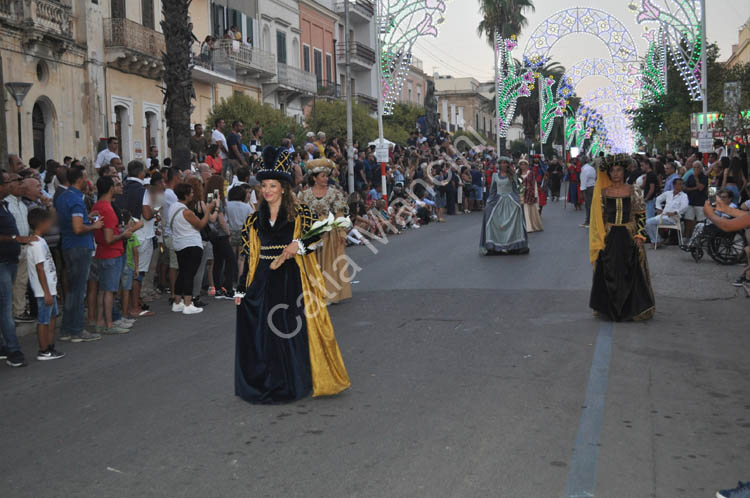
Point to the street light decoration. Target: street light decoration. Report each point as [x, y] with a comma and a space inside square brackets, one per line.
[680, 24]
[399, 24]
[570, 128]
[653, 74]
[512, 83]
[550, 107]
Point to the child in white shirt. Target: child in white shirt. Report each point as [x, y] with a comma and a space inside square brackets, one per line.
[43, 280]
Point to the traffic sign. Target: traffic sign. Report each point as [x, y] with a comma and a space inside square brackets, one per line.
[381, 153]
[705, 142]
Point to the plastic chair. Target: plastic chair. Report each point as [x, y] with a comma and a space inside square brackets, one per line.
[676, 226]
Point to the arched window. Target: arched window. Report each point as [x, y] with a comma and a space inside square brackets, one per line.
[37, 124]
[122, 132]
[43, 127]
[266, 39]
[295, 52]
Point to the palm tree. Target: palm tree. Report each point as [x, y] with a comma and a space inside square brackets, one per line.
[504, 17]
[178, 79]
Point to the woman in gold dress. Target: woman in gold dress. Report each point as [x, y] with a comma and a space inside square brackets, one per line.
[530, 198]
[621, 289]
[323, 199]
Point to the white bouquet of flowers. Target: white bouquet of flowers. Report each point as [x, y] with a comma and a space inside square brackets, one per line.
[317, 229]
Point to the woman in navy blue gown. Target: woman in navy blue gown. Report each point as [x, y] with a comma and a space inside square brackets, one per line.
[285, 347]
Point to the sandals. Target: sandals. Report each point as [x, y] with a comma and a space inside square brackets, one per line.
[142, 314]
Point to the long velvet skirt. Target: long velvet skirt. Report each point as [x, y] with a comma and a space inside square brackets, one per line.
[334, 266]
[621, 290]
[272, 362]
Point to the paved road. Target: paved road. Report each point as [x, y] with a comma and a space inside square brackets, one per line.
[472, 377]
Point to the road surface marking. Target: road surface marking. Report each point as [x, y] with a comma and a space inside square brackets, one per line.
[582, 474]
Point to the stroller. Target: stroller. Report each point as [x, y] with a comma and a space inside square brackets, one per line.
[726, 248]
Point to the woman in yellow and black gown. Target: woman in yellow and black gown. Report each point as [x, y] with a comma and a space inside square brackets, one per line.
[285, 347]
[621, 289]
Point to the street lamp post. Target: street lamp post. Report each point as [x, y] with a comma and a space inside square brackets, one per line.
[704, 71]
[380, 26]
[348, 88]
[18, 91]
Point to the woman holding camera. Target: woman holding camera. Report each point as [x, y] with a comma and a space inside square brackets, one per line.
[218, 233]
[188, 244]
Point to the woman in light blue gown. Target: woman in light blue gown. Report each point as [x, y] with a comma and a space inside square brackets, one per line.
[503, 229]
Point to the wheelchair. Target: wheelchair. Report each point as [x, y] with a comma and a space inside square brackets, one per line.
[726, 248]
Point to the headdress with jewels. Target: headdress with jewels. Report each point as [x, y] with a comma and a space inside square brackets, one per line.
[275, 164]
[606, 162]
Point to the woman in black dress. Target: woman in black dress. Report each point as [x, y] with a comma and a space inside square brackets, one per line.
[286, 347]
[622, 287]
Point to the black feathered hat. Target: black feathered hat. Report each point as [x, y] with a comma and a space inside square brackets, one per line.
[275, 164]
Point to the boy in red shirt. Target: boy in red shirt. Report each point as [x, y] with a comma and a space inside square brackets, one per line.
[109, 251]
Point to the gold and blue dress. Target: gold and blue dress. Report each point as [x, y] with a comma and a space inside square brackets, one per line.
[285, 345]
[621, 288]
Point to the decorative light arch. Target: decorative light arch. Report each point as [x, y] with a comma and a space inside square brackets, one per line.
[399, 24]
[678, 23]
[586, 20]
[622, 70]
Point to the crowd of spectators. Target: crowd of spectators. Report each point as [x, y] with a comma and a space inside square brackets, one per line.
[98, 243]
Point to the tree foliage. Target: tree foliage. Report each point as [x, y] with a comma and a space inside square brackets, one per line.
[665, 123]
[505, 17]
[329, 116]
[276, 125]
[401, 122]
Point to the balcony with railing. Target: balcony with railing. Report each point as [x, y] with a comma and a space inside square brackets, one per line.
[330, 90]
[362, 57]
[133, 48]
[213, 66]
[360, 11]
[364, 99]
[246, 61]
[39, 20]
[296, 79]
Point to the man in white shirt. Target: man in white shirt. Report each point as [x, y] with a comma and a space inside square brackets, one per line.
[670, 206]
[174, 176]
[588, 181]
[218, 138]
[20, 213]
[153, 153]
[105, 156]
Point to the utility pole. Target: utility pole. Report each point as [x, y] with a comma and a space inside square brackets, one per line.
[704, 71]
[348, 88]
[497, 110]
